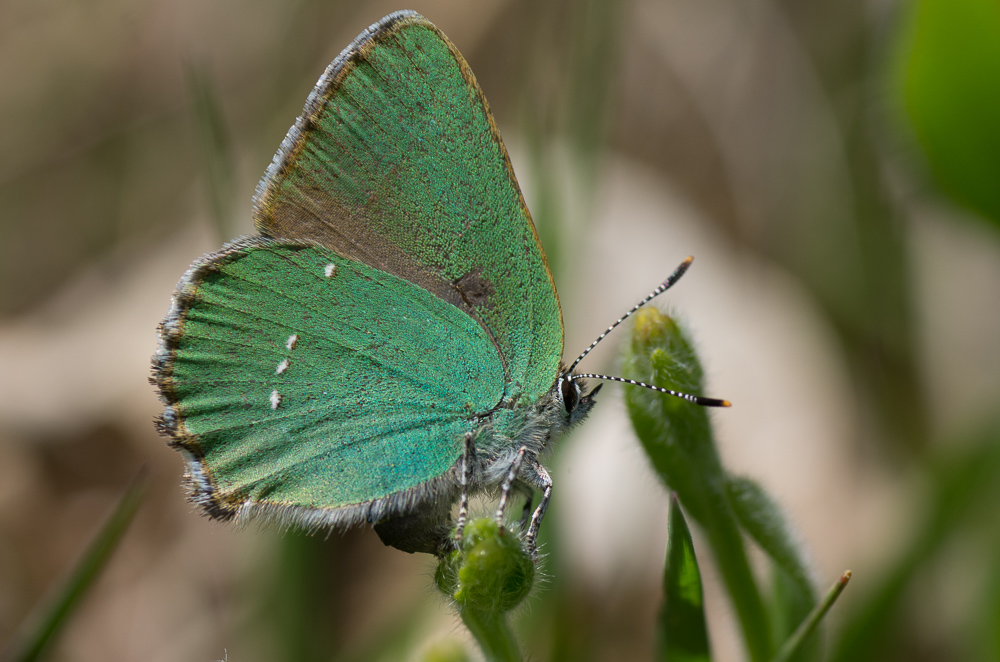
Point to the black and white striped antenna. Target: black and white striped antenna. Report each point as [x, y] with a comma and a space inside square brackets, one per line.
[663, 287]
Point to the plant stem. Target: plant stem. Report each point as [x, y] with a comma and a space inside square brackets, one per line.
[493, 634]
[808, 626]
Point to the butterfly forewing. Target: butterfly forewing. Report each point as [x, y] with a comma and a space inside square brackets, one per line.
[396, 162]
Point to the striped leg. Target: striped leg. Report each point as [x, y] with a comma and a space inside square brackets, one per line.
[508, 483]
[543, 481]
[468, 459]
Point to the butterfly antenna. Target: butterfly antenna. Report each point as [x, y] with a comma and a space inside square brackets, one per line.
[696, 399]
[664, 286]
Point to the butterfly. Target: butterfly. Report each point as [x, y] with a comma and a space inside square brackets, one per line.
[390, 340]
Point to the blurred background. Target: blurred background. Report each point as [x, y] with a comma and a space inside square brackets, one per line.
[834, 167]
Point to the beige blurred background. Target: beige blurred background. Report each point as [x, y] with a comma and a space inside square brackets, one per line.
[848, 312]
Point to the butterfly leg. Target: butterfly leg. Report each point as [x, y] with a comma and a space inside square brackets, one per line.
[468, 459]
[508, 483]
[543, 481]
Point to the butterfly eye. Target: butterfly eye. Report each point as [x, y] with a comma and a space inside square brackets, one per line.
[570, 394]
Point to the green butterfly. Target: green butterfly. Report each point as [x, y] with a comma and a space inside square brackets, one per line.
[391, 340]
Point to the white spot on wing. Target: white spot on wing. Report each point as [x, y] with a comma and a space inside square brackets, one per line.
[275, 399]
[292, 339]
[283, 366]
[330, 268]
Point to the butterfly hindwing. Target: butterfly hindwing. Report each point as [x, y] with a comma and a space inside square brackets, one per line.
[396, 162]
[314, 389]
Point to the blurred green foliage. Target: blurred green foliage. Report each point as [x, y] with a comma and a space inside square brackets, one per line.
[36, 634]
[948, 81]
[964, 485]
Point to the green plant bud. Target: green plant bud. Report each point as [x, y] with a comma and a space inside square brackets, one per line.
[490, 571]
[675, 434]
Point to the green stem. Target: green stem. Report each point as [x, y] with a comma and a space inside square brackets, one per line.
[493, 635]
[808, 626]
[724, 536]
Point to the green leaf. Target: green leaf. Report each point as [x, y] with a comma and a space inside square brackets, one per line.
[946, 78]
[764, 522]
[677, 436]
[45, 623]
[682, 633]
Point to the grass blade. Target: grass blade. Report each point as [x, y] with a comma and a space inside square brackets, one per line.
[45, 623]
[809, 625]
[682, 633]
